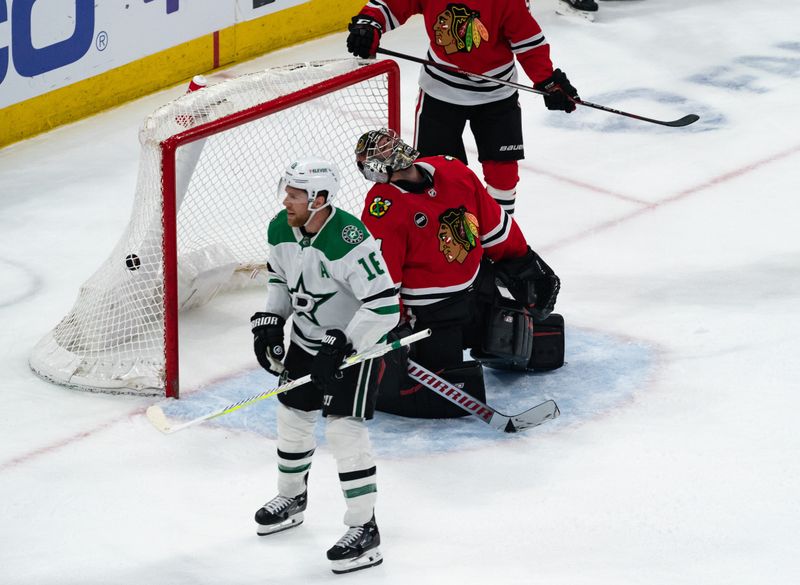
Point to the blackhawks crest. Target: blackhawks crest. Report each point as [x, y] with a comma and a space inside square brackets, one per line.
[459, 28]
[379, 207]
[458, 234]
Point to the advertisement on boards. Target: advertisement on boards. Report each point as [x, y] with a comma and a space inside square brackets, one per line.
[49, 44]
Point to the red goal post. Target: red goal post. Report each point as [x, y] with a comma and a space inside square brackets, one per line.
[207, 188]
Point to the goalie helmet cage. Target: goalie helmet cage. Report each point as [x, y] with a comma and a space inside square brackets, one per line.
[209, 168]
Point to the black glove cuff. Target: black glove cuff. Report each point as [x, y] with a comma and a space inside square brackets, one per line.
[262, 320]
[363, 19]
[334, 340]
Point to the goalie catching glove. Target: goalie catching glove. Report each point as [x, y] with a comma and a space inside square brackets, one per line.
[365, 34]
[268, 341]
[561, 94]
[531, 282]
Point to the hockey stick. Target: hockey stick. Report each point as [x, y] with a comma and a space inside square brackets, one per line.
[679, 123]
[156, 415]
[501, 422]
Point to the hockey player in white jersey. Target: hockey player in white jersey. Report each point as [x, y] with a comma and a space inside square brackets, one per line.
[326, 270]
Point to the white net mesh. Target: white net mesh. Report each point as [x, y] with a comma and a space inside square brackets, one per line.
[113, 339]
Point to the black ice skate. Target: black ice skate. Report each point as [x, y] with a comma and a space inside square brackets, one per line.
[281, 513]
[584, 8]
[357, 549]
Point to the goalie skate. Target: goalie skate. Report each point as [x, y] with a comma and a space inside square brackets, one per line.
[281, 513]
[357, 549]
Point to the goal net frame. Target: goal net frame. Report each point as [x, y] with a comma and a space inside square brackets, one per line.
[172, 184]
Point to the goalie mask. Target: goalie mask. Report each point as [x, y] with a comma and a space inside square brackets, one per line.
[380, 153]
[315, 177]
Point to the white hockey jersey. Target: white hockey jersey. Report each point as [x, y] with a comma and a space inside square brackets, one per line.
[335, 279]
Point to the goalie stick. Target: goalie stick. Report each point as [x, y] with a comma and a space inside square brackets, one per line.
[156, 415]
[679, 123]
[508, 424]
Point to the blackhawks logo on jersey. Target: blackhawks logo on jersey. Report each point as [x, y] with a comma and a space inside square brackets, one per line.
[379, 207]
[458, 28]
[458, 234]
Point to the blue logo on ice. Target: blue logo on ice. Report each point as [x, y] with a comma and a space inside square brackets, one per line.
[30, 60]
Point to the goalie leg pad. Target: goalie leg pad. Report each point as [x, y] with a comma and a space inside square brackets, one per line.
[416, 401]
[513, 340]
[507, 336]
[548, 344]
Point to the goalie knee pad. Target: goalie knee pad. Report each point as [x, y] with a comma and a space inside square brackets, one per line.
[514, 340]
[507, 336]
[548, 344]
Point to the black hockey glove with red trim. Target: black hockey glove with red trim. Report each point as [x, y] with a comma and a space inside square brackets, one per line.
[268, 341]
[330, 356]
[561, 94]
[531, 282]
[364, 37]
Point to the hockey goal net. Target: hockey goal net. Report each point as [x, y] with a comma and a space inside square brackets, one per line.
[206, 189]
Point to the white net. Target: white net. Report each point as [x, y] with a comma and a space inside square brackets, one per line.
[113, 339]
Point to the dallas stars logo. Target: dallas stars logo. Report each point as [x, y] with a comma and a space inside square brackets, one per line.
[305, 302]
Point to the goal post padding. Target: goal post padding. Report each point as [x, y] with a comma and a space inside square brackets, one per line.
[206, 189]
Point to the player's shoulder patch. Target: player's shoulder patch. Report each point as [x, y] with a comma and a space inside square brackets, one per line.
[341, 234]
[353, 234]
[379, 206]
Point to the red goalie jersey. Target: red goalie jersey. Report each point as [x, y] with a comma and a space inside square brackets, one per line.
[479, 36]
[433, 241]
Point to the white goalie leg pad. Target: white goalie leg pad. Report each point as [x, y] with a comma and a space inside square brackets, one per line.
[349, 441]
[296, 439]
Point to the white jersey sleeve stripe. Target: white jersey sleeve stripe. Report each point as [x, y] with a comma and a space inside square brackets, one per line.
[499, 234]
[528, 44]
[391, 20]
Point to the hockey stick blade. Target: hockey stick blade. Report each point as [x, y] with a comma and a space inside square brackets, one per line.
[508, 424]
[532, 417]
[159, 419]
[156, 416]
[679, 123]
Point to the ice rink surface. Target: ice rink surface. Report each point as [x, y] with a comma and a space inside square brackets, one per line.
[677, 456]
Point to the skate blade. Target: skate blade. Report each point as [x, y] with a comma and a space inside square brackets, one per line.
[370, 558]
[264, 530]
[568, 11]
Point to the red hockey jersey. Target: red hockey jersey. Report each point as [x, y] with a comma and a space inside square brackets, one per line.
[479, 36]
[433, 241]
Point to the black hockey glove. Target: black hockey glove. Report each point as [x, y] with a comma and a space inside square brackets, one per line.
[561, 94]
[531, 282]
[268, 341]
[330, 356]
[365, 34]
